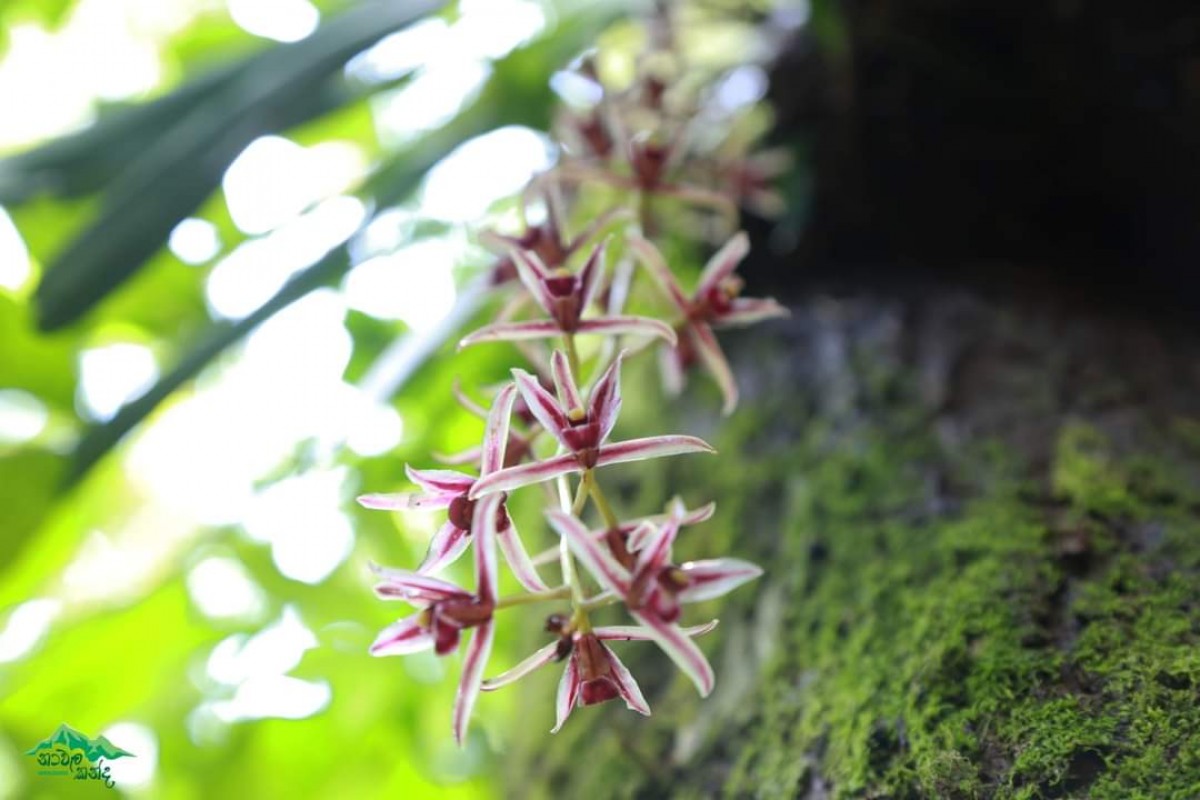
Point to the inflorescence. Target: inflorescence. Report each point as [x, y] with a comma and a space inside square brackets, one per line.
[553, 424]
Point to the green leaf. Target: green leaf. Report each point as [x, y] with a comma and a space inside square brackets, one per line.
[29, 478]
[183, 167]
[516, 93]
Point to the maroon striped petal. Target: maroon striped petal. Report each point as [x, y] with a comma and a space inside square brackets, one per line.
[533, 274]
[405, 501]
[650, 447]
[618, 287]
[589, 276]
[749, 310]
[714, 360]
[594, 555]
[401, 638]
[509, 478]
[445, 481]
[512, 332]
[471, 455]
[564, 381]
[483, 524]
[655, 550]
[478, 652]
[637, 633]
[606, 398]
[714, 577]
[495, 432]
[670, 367]
[627, 686]
[723, 263]
[444, 549]
[645, 533]
[676, 644]
[568, 694]
[542, 404]
[404, 584]
[539, 659]
[693, 517]
[652, 259]
[635, 326]
[518, 559]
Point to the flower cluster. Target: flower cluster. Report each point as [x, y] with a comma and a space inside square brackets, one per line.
[552, 424]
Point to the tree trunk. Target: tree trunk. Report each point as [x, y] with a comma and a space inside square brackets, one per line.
[975, 487]
[981, 527]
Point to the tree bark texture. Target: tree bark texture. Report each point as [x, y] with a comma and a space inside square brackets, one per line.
[980, 521]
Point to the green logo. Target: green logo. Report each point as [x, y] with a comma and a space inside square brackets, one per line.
[67, 752]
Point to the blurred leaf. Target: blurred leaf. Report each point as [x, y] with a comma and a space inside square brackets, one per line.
[29, 478]
[42, 366]
[185, 164]
[516, 93]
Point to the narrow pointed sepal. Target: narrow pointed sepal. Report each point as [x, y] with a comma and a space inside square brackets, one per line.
[447, 545]
[518, 559]
[509, 478]
[401, 638]
[593, 554]
[715, 577]
[523, 331]
[404, 501]
[624, 324]
[680, 649]
[715, 362]
[650, 447]
[568, 695]
[469, 684]
[627, 685]
[539, 659]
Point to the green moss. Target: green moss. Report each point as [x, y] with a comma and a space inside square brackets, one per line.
[950, 627]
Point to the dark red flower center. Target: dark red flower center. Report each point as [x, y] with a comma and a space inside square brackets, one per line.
[461, 512]
[597, 691]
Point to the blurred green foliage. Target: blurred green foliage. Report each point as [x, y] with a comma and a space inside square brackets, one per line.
[95, 209]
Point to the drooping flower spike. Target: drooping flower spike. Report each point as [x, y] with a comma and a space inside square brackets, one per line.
[715, 303]
[452, 490]
[645, 141]
[445, 610]
[593, 673]
[582, 432]
[654, 589]
[564, 297]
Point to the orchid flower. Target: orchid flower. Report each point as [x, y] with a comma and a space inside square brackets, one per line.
[654, 589]
[715, 303]
[548, 239]
[564, 297]
[516, 447]
[650, 161]
[593, 674]
[445, 610]
[451, 490]
[581, 432]
[617, 538]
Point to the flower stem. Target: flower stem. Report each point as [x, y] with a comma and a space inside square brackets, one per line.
[572, 353]
[560, 593]
[610, 519]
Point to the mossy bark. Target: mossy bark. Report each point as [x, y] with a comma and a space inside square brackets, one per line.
[981, 528]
